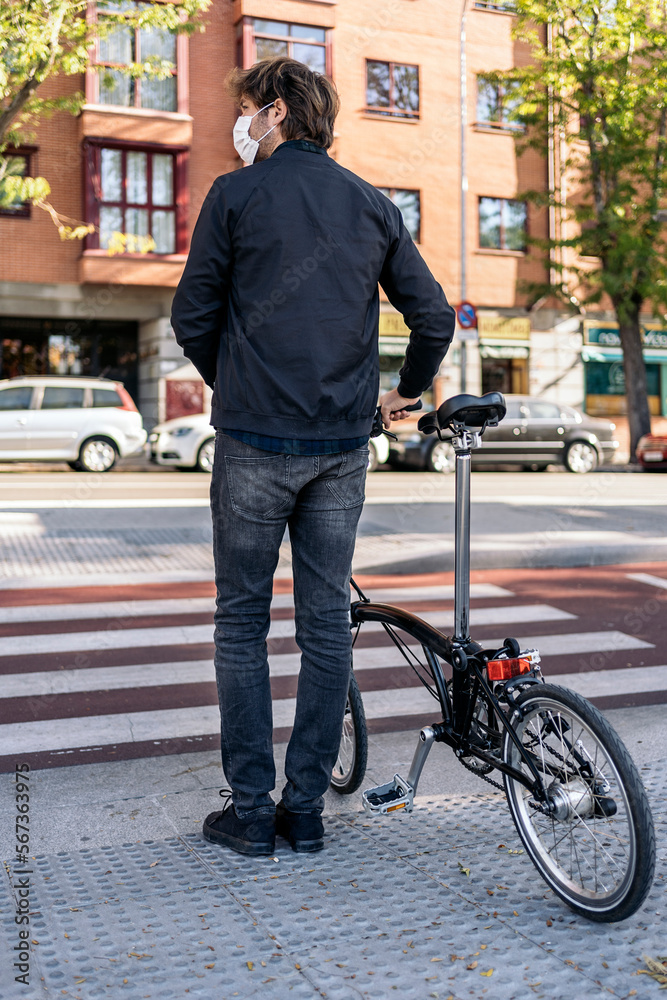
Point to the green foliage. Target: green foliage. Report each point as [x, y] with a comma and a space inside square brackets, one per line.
[41, 39]
[598, 85]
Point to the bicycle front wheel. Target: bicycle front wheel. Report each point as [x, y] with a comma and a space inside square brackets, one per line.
[350, 767]
[596, 847]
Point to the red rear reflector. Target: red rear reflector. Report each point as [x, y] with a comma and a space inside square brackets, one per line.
[504, 670]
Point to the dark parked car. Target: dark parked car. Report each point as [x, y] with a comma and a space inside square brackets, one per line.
[652, 452]
[535, 433]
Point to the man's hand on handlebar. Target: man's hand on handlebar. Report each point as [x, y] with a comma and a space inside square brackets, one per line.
[393, 407]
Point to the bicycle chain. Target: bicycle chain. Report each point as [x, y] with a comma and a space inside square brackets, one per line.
[479, 774]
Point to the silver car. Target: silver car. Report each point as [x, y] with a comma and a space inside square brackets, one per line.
[86, 422]
[534, 433]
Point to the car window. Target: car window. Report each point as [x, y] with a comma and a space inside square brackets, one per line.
[106, 397]
[515, 409]
[543, 411]
[16, 398]
[62, 397]
[569, 415]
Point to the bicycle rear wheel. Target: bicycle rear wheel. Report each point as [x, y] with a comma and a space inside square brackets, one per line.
[596, 849]
[350, 767]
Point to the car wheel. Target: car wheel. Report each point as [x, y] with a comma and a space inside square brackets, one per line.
[536, 467]
[97, 455]
[441, 458]
[372, 458]
[205, 456]
[581, 457]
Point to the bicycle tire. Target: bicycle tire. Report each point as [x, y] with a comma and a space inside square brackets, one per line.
[350, 767]
[601, 863]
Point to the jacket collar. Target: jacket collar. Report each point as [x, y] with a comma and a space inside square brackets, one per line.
[305, 144]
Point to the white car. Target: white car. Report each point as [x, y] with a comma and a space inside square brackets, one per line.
[189, 443]
[86, 422]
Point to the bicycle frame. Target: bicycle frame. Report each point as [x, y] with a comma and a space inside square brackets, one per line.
[466, 657]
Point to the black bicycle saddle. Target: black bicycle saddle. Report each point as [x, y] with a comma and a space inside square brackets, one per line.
[466, 410]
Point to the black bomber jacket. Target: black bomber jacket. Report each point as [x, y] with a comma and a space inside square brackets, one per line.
[278, 306]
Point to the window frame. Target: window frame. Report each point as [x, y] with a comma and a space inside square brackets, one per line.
[501, 249]
[92, 160]
[503, 125]
[180, 71]
[24, 211]
[246, 50]
[392, 191]
[392, 110]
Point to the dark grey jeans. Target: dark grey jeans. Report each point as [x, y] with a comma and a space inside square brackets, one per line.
[254, 495]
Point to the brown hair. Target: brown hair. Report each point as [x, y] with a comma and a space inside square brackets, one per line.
[311, 98]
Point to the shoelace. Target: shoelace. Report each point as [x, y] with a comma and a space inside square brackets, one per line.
[226, 794]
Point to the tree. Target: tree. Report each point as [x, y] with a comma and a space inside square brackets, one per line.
[42, 39]
[597, 93]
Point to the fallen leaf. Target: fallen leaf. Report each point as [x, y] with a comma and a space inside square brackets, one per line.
[211, 966]
[489, 973]
[154, 863]
[473, 965]
[550, 923]
[436, 960]
[483, 946]
[489, 892]
[250, 965]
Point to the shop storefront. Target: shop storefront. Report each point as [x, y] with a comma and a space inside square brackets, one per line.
[504, 353]
[70, 347]
[604, 374]
[394, 339]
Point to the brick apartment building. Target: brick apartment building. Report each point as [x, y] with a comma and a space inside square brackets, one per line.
[141, 156]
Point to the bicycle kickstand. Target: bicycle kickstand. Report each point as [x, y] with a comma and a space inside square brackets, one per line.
[400, 793]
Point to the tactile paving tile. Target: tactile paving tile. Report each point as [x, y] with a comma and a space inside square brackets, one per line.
[362, 919]
[91, 875]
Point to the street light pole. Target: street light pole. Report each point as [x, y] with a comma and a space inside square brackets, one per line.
[464, 180]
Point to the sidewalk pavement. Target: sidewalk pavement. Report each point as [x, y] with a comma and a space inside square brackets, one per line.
[128, 900]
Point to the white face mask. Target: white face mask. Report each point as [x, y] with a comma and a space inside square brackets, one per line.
[243, 144]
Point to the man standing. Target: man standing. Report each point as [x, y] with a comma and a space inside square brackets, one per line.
[278, 310]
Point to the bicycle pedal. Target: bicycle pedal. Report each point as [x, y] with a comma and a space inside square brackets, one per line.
[393, 796]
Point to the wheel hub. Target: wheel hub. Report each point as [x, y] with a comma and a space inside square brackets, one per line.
[566, 802]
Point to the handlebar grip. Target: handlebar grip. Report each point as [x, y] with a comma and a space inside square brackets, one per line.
[413, 406]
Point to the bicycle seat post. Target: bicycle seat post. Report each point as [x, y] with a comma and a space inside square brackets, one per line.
[462, 442]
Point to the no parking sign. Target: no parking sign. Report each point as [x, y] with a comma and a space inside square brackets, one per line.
[466, 315]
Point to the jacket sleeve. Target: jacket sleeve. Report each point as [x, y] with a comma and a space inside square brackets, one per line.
[412, 289]
[200, 303]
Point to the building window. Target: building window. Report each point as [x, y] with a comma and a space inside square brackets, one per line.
[392, 89]
[260, 39]
[502, 224]
[136, 192]
[499, 6]
[127, 45]
[496, 103]
[409, 204]
[14, 165]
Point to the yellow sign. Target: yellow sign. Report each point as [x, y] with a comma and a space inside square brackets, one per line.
[503, 327]
[392, 325]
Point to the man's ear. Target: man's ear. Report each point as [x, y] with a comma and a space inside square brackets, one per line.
[280, 111]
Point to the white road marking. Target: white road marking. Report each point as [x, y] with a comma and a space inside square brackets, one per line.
[199, 605]
[112, 637]
[653, 581]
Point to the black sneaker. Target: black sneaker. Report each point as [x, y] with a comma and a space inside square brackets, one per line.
[255, 835]
[304, 831]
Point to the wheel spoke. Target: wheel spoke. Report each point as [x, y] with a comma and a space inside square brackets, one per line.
[586, 844]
